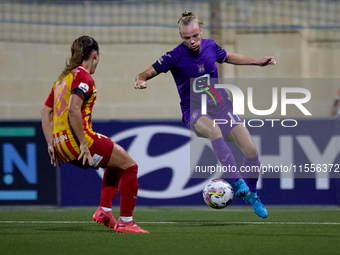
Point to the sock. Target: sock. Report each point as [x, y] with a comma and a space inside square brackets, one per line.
[252, 176]
[106, 209]
[225, 156]
[128, 189]
[109, 187]
[126, 219]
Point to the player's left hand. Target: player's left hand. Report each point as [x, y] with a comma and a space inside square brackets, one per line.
[85, 154]
[267, 61]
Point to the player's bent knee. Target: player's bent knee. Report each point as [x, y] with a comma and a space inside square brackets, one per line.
[120, 159]
[250, 151]
[214, 133]
[127, 161]
[131, 163]
[133, 168]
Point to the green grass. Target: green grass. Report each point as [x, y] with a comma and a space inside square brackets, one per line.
[173, 230]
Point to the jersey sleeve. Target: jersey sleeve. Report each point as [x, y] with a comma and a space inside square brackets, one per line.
[82, 84]
[164, 63]
[50, 99]
[221, 54]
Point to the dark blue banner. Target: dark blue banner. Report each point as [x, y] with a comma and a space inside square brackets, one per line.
[162, 151]
[27, 178]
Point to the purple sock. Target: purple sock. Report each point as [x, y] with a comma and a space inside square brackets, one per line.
[225, 156]
[252, 176]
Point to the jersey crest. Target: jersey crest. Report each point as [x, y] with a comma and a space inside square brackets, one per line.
[201, 69]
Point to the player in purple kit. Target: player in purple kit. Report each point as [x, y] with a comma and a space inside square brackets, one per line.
[192, 64]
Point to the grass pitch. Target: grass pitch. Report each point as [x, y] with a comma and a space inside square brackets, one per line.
[173, 230]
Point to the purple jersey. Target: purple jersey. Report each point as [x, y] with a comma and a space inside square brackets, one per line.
[191, 70]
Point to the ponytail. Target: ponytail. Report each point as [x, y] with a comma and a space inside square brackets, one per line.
[80, 51]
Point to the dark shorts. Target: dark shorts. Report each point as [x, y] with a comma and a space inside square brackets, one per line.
[222, 114]
[101, 151]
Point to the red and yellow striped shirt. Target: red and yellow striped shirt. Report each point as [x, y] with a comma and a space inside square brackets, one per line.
[65, 140]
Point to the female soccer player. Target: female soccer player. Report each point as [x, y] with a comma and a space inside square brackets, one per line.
[67, 126]
[195, 58]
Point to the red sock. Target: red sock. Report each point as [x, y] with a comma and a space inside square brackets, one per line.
[109, 187]
[128, 188]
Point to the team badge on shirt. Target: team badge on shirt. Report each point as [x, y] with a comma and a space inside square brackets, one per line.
[201, 68]
[194, 115]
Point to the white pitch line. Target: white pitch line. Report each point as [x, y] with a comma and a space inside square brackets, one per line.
[174, 222]
[246, 223]
[46, 222]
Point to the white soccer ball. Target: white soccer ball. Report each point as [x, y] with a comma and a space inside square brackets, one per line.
[218, 194]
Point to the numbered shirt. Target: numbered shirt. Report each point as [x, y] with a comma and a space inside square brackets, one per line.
[81, 84]
[194, 72]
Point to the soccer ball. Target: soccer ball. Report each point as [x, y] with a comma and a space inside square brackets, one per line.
[218, 194]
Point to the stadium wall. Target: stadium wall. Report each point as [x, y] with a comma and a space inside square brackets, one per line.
[35, 40]
[28, 71]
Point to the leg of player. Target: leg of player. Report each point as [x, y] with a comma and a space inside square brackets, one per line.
[204, 126]
[110, 182]
[242, 138]
[120, 160]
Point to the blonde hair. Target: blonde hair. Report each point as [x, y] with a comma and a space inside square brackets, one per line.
[188, 18]
[81, 50]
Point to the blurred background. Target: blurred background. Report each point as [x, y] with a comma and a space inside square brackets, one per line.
[35, 41]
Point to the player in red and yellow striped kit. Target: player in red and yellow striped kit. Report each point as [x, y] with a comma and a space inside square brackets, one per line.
[67, 126]
[81, 84]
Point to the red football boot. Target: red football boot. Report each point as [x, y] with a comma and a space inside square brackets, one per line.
[105, 218]
[128, 227]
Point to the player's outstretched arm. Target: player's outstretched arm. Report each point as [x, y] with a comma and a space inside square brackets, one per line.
[238, 59]
[140, 81]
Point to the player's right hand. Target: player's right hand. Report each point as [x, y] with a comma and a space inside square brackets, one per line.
[140, 84]
[55, 159]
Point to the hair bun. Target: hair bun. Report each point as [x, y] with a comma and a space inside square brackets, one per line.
[187, 13]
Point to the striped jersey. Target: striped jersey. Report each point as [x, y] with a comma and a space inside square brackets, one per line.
[81, 84]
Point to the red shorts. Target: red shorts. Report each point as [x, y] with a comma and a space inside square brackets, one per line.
[101, 151]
